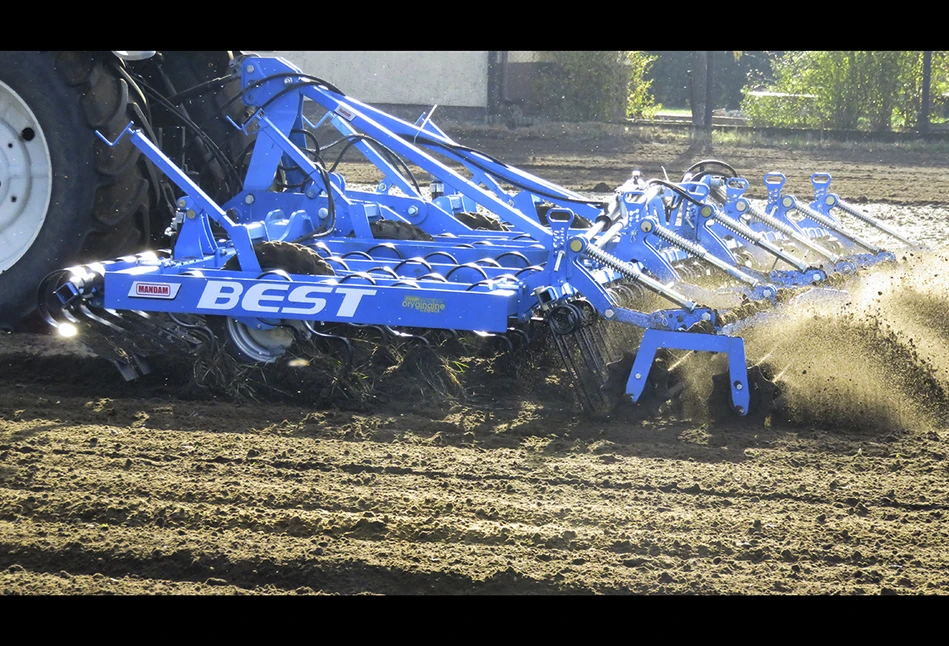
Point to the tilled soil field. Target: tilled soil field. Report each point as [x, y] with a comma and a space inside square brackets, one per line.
[109, 487]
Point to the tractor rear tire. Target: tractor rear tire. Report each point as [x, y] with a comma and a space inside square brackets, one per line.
[209, 111]
[65, 196]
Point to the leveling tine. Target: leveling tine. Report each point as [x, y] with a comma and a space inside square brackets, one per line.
[825, 201]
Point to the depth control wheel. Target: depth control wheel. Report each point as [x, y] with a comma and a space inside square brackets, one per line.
[270, 341]
[764, 396]
[258, 345]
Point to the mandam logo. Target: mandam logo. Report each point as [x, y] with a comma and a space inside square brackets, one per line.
[167, 291]
[281, 298]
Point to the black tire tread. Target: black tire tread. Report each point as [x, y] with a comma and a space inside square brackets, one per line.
[121, 203]
[109, 216]
[209, 111]
[397, 230]
[481, 222]
[290, 257]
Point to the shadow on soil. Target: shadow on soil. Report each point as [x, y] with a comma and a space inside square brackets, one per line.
[516, 413]
[313, 575]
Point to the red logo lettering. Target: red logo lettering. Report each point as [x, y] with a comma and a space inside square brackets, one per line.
[146, 289]
[154, 290]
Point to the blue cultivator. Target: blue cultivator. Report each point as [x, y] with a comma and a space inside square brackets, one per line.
[488, 249]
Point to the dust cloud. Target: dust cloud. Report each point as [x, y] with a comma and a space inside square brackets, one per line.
[878, 359]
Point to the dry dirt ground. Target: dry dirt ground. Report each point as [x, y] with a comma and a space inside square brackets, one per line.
[115, 488]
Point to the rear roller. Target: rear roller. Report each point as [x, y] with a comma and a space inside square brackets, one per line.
[764, 394]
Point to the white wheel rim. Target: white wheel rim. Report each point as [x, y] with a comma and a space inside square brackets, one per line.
[263, 346]
[26, 177]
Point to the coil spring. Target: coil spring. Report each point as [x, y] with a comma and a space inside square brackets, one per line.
[674, 238]
[625, 268]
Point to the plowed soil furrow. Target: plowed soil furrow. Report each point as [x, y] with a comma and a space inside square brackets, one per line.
[108, 487]
[248, 510]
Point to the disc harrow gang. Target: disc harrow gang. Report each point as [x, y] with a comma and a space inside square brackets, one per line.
[308, 266]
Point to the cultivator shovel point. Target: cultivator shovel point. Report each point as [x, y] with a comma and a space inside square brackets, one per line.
[489, 251]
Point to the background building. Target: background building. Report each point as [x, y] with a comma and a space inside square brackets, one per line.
[465, 85]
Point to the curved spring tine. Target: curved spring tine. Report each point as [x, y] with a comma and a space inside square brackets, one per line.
[359, 254]
[347, 344]
[514, 254]
[467, 265]
[388, 246]
[202, 330]
[383, 334]
[417, 260]
[497, 337]
[339, 261]
[521, 335]
[385, 269]
[450, 257]
[358, 275]
[407, 336]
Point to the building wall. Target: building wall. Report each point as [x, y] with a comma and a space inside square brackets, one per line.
[401, 77]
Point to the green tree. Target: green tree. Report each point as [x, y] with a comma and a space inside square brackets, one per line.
[640, 101]
[669, 75]
[846, 90]
[594, 85]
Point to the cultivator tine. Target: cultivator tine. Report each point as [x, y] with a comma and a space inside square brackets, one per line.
[626, 293]
[501, 340]
[518, 337]
[816, 222]
[634, 273]
[829, 223]
[334, 339]
[196, 326]
[449, 341]
[757, 238]
[825, 201]
[382, 335]
[791, 233]
[698, 251]
[399, 335]
[761, 241]
[882, 226]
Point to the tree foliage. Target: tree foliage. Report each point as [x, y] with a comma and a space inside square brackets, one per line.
[670, 74]
[876, 90]
[595, 85]
[639, 101]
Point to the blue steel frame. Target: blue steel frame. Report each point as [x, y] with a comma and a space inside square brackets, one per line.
[464, 279]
